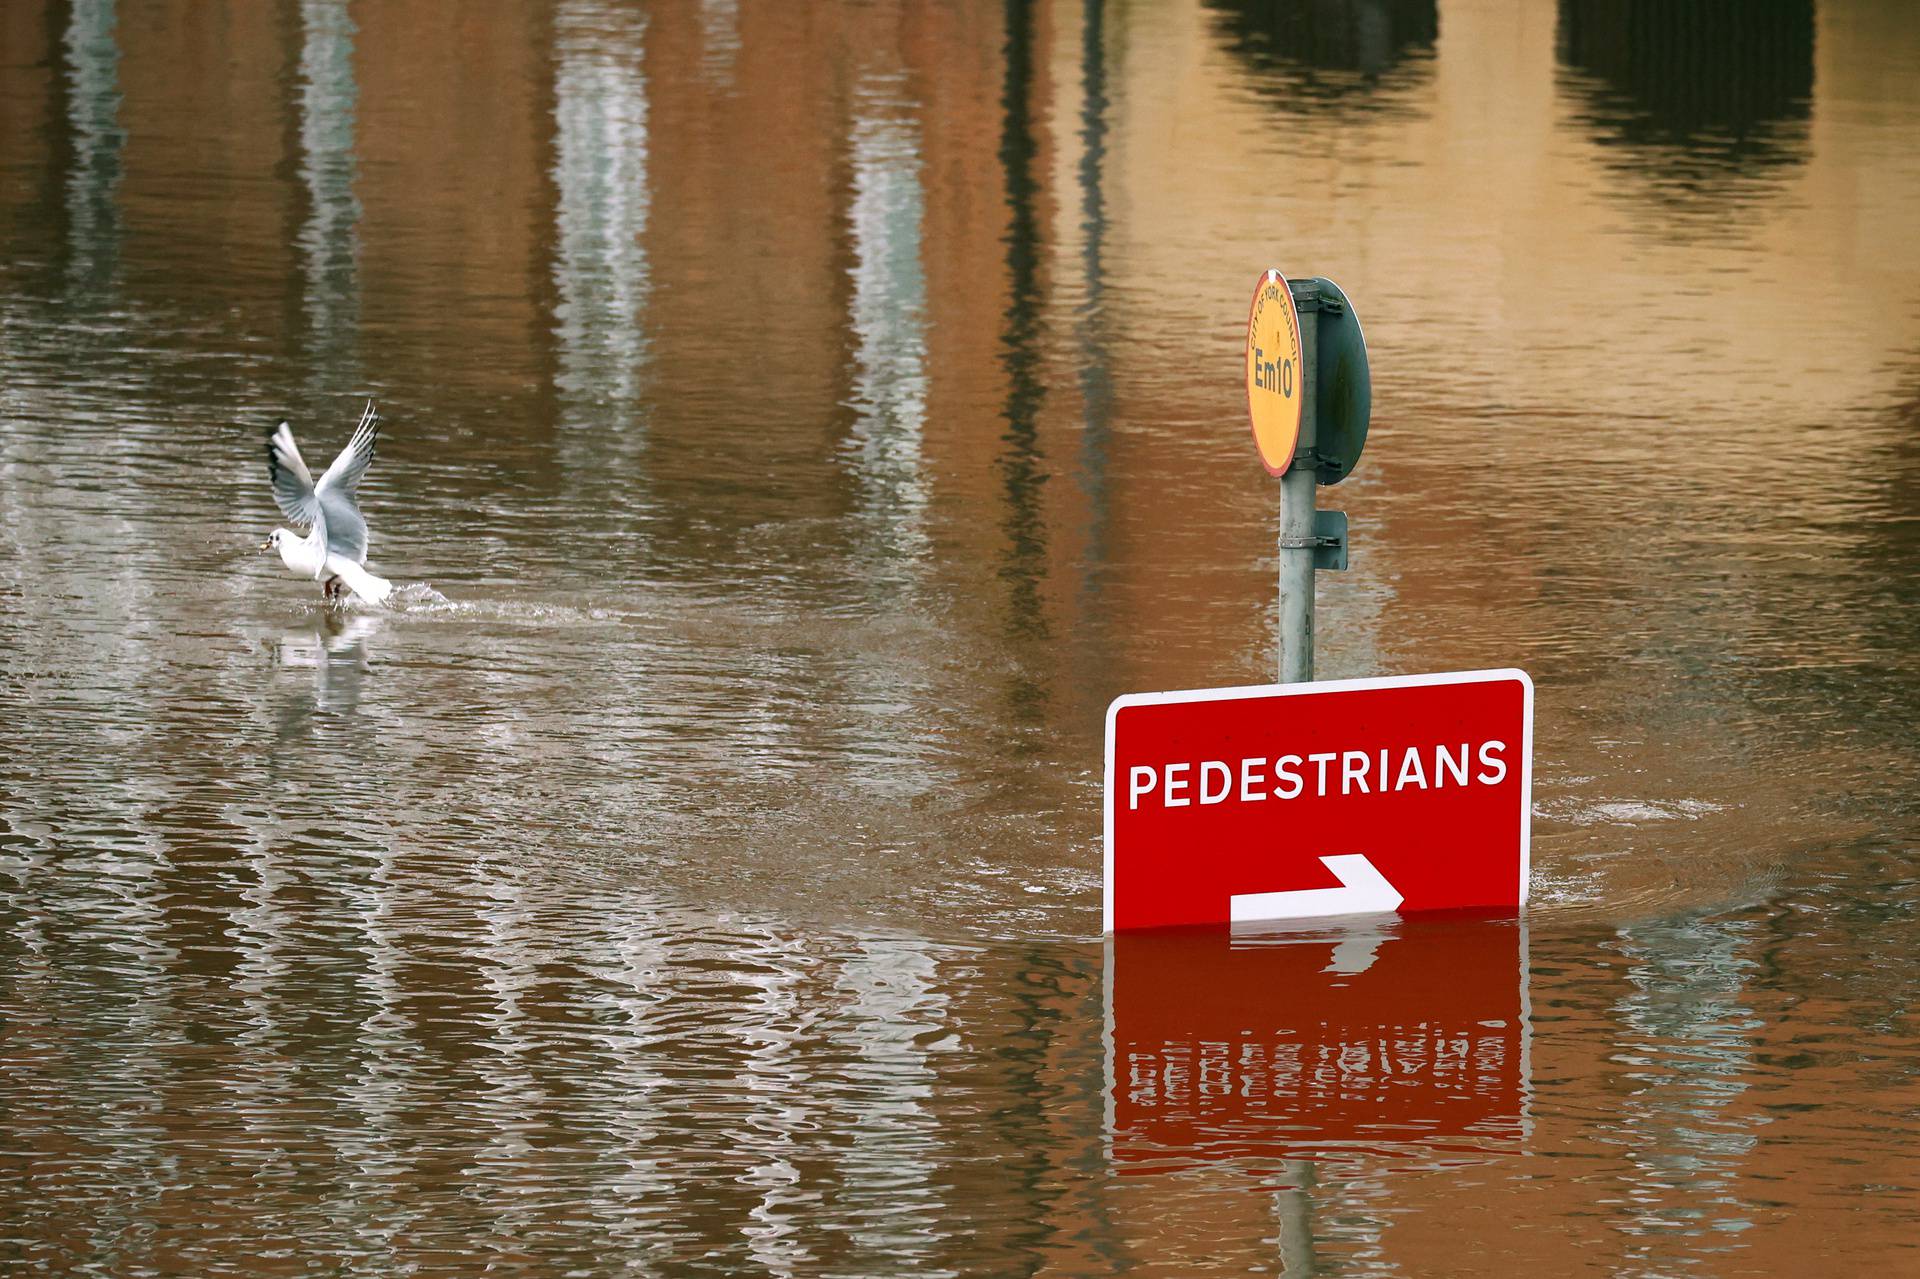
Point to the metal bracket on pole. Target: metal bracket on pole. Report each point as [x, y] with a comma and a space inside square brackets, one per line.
[1308, 297]
[1328, 543]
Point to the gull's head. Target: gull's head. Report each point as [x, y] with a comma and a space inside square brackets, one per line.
[274, 539]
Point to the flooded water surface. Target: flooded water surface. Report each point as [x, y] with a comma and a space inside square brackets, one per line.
[800, 422]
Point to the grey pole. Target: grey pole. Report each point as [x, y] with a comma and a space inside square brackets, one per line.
[1297, 539]
[1296, 1222]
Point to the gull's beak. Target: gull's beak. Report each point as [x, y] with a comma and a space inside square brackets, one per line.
[267, 545]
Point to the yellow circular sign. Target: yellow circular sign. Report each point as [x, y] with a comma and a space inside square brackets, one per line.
[1273, 372]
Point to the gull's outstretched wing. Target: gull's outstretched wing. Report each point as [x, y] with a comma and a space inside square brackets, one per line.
[338, 490]
[292, 482]
[346, 527]
[344, 475]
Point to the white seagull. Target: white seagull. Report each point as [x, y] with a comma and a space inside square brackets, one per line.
[336, 545]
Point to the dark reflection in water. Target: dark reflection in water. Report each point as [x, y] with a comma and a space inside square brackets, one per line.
[1333, 56]
[329, 233]
[1092, 326]
[813, 416]
[1693, 97]
[1023, 467]
[91, 63]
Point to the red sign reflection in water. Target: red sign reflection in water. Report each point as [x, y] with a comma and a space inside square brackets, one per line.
[1370, 1032]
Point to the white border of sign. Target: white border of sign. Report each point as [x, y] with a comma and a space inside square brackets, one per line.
[1321, 686]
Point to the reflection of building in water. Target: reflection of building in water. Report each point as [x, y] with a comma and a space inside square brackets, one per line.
[602, 278]
[1689, 1032]
[452, 151]
[600, 180]
[891, 1175]
[1693, 96]
[746, 313]
[1092, 326]
[889, 329]
[32, 125]
[211, 111]
[888, 397]
[1022, 461]
[329, 240]
[720, 44]
[1331, 55]
[776, 994]
[93, 117]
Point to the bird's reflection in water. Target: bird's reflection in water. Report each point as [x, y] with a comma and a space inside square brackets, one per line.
[333, 645]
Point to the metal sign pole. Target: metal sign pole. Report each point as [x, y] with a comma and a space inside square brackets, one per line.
[1299, 542]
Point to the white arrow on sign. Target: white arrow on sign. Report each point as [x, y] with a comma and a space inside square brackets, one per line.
[1363, 890]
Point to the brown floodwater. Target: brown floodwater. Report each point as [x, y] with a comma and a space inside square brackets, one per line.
[801, 421]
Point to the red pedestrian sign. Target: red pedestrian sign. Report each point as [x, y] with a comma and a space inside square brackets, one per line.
[1407, 794]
